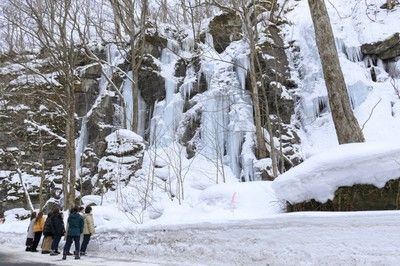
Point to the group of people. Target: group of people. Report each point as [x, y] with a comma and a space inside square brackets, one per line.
[53, 229]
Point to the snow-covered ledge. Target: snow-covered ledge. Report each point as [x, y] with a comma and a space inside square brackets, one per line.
[320, 176]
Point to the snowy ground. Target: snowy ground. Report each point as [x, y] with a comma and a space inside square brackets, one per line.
[243, 223]
[363, 238]
[13, 255]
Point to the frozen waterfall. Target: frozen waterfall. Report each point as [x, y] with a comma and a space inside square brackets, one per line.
[227, 129]
[168, 112]
[113, 58]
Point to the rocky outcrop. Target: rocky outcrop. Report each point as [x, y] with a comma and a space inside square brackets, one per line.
[277, 91]
[154, 44]
[357, 198]
[151, 83]
[386, 49]
[224, 29]
[276, 76]
[123, 157]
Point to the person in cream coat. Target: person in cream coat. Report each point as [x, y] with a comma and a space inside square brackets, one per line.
[88, 229]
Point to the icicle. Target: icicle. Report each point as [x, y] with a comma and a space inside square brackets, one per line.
[248, 158]
[242, 65]
[380, 63]
[168, 112]
[142, 116]
[313, 108]
[209, 40]
[358, 93]
[188, 44]
[394, 68]
[212, 132]
[128, 98]
[81, 143]
[353, 54]
[234, 148]
[187, 86]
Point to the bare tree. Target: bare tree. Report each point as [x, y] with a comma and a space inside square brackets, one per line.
[346, 125]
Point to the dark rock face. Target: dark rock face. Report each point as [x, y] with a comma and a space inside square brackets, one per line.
[92, 71]
[224, 29]
[357, 198]
[180, 69]
[390, 4]
[386, 49]
[272, 62]
[85, 94]
[152, 85]
[26, 103]
[154, 45]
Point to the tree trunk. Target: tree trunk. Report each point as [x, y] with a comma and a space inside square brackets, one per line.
[261, 148]
[65, 184]
[43, 173]
[135, 88]
[137, 49]
[27, 196]
[71, 158]
[346, 125]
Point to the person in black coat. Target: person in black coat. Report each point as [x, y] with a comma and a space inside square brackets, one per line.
[57, 230]
[48, 235]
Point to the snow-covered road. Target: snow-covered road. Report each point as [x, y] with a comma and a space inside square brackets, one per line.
[362, 238]
[14, 256]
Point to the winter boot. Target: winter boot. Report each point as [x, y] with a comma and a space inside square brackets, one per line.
[64, 257]
[53, 253]
[77, 257]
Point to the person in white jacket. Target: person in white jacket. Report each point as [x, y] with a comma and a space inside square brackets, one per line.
[88, 229]
[30, 234]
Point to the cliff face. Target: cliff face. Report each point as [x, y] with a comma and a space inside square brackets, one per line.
[175, 71]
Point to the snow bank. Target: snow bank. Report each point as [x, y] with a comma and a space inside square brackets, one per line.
[346, 165]
[122, 141]
[224, 202]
